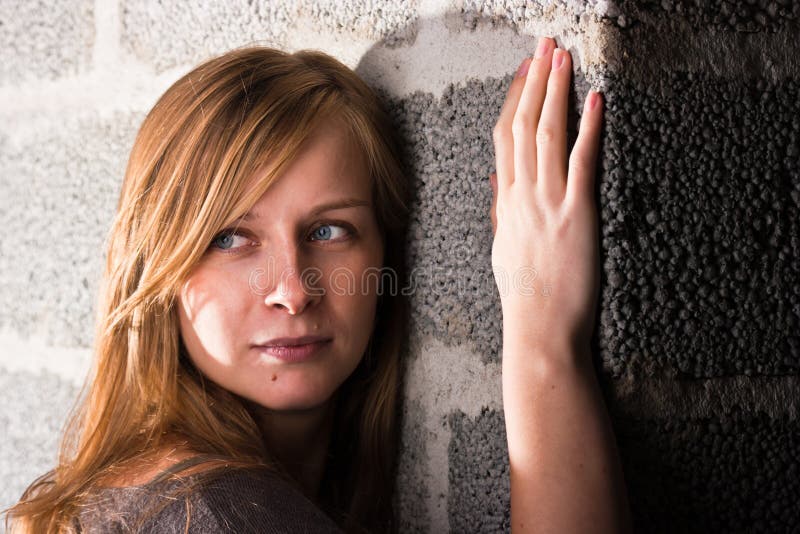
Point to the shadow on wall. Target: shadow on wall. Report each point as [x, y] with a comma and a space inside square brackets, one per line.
[447, 141]
[671, 230]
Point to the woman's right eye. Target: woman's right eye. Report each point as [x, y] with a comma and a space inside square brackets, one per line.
[229, 240]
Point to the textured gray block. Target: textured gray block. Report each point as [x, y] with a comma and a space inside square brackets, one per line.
[700, 223]
[45, 40]
[745, 16]
[450, 153]
[166, 34]
[732, 473]
[34, 411]
[58, 196]
[394, 22]
[479, 499]
[411, 492]
[520, 13]
[448, 141]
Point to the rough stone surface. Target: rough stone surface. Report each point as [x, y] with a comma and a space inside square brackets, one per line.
[696, 343]
[746, 16]
[735, 472]
[449, 142]
[59, 193]
[35, 408]
[522, 13]
[478, 473]
[45, 40]
[700, 227]
[411, 493]
[449, 244]
[392, 22]
[170, 34]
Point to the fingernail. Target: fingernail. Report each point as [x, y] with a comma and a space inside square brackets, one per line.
[541, 48]
[523, 68]
[558, 58]
[593, 98]
[590, 103]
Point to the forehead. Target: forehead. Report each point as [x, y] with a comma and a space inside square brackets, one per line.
[330, 166]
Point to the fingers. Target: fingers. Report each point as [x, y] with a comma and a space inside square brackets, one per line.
[582, 161]
[503, 140]
[530, 136]
[529, 110]
[551, 132]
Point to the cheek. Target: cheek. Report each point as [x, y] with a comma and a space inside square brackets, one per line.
[209, 306]
[350, 287]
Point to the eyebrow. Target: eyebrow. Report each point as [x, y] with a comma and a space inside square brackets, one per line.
[328, 206]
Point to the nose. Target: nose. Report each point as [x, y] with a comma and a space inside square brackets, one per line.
[293, 289]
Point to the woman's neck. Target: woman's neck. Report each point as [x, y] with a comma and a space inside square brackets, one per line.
[299, 441]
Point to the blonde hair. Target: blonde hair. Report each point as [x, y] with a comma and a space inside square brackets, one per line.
[185, 181]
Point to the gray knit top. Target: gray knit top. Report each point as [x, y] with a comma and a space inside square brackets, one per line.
[235, 501]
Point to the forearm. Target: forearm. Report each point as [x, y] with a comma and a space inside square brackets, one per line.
[565, 469]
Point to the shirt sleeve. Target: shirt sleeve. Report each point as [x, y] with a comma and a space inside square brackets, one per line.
[242, 502]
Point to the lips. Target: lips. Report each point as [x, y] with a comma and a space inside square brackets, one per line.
[294, 349]
[292, 341]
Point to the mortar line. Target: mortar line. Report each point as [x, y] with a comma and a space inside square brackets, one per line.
[664, 398]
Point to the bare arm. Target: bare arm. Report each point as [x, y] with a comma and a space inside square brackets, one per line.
[565, 469]
[565, 473]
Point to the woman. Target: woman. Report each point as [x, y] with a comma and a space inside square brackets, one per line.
[247, 373]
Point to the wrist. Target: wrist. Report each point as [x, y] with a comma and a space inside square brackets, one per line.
[551, 346]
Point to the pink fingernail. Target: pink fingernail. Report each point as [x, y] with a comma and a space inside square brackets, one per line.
[558, 58]
[541, 49]
[523, 68]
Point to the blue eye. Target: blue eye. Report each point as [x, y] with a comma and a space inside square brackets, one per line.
[329, 232]
[226, 240]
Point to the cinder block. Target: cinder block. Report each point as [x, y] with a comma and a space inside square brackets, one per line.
[35, 407]
[170, 34]
[733, 473]
[45, 40]
[448, 139]
[700, 202]
[479, 498]
[721, 15]
[522, 13]
[60, 189]
[451, 284]
[392, 22]
[411, 487]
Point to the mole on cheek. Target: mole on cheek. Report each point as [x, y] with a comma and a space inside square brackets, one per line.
[274, 378]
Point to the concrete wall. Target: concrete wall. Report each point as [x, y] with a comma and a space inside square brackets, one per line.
[697, 338]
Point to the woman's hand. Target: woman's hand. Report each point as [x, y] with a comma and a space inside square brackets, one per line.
[565, 472]
[545, 250]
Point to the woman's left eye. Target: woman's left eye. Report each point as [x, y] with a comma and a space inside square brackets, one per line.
[329, 232]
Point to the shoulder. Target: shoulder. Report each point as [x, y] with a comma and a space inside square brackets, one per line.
[260, 502]
[234, 501]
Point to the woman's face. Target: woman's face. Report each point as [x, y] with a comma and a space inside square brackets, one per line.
[294, 268]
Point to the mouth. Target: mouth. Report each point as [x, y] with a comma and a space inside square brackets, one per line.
[292, 341]
[293, 350]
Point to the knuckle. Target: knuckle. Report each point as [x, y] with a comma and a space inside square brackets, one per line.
[578, 165]
[500, 134]
[522, 124]
[545, 135]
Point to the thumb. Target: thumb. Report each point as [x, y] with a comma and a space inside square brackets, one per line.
[493, 209]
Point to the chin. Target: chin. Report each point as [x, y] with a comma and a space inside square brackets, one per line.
[298, 399]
